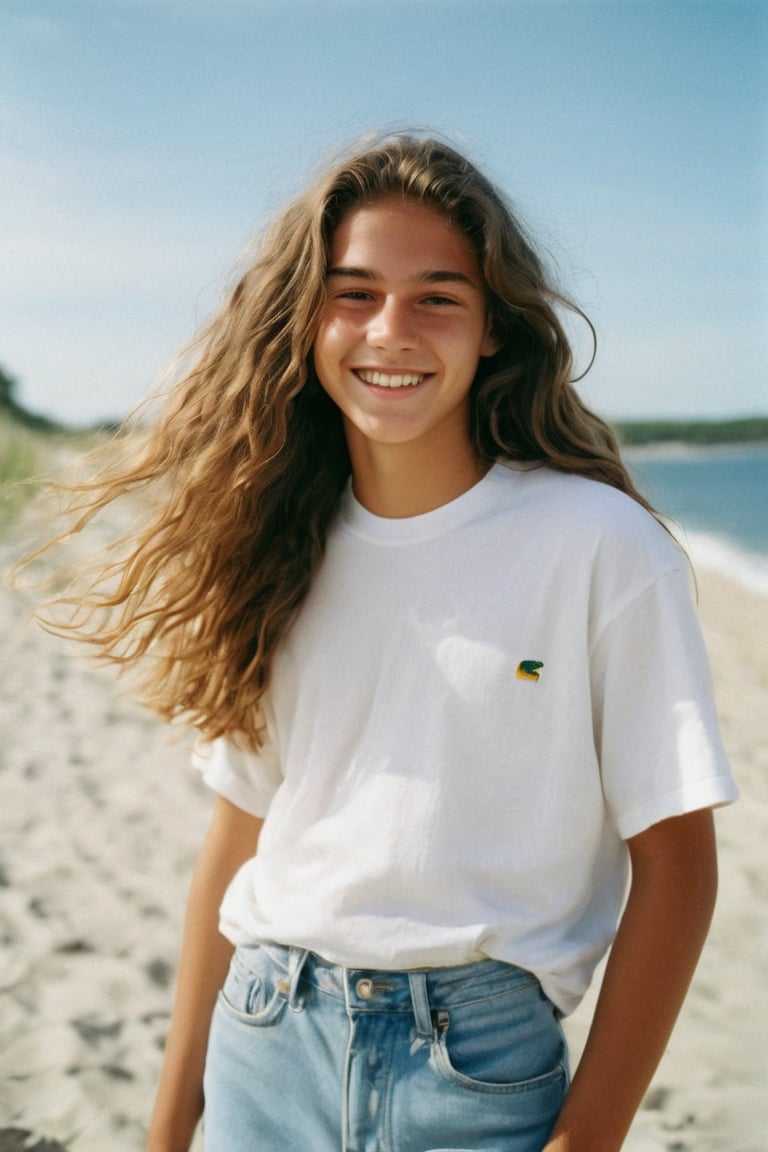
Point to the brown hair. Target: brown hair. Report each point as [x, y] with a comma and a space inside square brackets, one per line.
[246, 463]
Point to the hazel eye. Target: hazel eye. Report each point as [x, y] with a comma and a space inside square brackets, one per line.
[441, 301]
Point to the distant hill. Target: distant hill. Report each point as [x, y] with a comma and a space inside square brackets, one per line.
[12, 409]
[9, 406]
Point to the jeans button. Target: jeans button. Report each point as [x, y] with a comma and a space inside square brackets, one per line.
[364, 989]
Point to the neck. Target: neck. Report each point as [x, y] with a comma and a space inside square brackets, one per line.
[395, 481]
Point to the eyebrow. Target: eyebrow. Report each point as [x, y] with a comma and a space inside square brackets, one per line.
[431, 276]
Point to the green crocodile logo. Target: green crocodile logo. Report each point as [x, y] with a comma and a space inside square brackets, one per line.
[529, 669]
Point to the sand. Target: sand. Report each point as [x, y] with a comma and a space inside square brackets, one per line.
[101, 818]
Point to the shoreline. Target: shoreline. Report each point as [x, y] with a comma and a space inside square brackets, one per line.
[719, 556]
[712, 500]
[685, 449]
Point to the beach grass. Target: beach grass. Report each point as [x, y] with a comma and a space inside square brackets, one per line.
[21, 459]
[31, 455]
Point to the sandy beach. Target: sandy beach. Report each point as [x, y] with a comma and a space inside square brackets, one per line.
[101, 819]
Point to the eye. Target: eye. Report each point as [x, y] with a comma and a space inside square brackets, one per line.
[439, 301]
[353, 294]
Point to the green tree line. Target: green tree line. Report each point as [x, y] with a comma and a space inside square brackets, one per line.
[747, 430]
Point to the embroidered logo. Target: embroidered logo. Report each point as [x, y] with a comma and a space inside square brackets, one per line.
[528, 669]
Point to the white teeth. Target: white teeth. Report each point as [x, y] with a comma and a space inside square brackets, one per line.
[391, 379]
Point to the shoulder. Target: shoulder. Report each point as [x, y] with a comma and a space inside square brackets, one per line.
[593, 517]
[568, 492]
[596, 540]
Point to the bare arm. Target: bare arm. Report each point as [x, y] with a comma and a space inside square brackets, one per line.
[232, 839]
[662, 931]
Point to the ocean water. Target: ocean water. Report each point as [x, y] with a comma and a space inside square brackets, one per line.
[717, 500]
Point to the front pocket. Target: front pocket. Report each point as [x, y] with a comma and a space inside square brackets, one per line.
[253, 993]
[508, 1043]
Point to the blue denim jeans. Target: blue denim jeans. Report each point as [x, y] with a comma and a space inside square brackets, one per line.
[306, 1056]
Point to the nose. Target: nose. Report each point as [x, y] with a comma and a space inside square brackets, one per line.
[392, 326]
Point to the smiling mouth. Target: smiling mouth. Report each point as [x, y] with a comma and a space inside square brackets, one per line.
[391, 379]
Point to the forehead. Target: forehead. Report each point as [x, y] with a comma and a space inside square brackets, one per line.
[413, 236]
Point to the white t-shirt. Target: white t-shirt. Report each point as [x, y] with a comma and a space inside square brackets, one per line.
[473, 710]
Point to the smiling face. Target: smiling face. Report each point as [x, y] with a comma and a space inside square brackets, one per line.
[403, 329]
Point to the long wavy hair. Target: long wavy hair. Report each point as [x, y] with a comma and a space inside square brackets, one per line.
[244, 467]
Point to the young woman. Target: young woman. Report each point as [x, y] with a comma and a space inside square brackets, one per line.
[448, 680]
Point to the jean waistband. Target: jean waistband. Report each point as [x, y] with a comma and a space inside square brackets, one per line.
[364, 989]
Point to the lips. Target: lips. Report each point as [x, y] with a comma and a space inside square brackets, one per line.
[390, 379]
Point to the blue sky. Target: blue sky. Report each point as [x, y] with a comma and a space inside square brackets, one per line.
[143, 142]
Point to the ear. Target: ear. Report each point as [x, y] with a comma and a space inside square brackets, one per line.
[490, 344]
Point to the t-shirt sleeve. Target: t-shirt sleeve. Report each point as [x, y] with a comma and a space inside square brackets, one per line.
[248, 780]
[655, 722]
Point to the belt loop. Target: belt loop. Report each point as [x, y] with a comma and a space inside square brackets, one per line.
[296, 959]
[420, 1001]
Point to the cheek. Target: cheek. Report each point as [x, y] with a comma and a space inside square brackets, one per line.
[329, 343]
[327, 355]
[319, 353]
